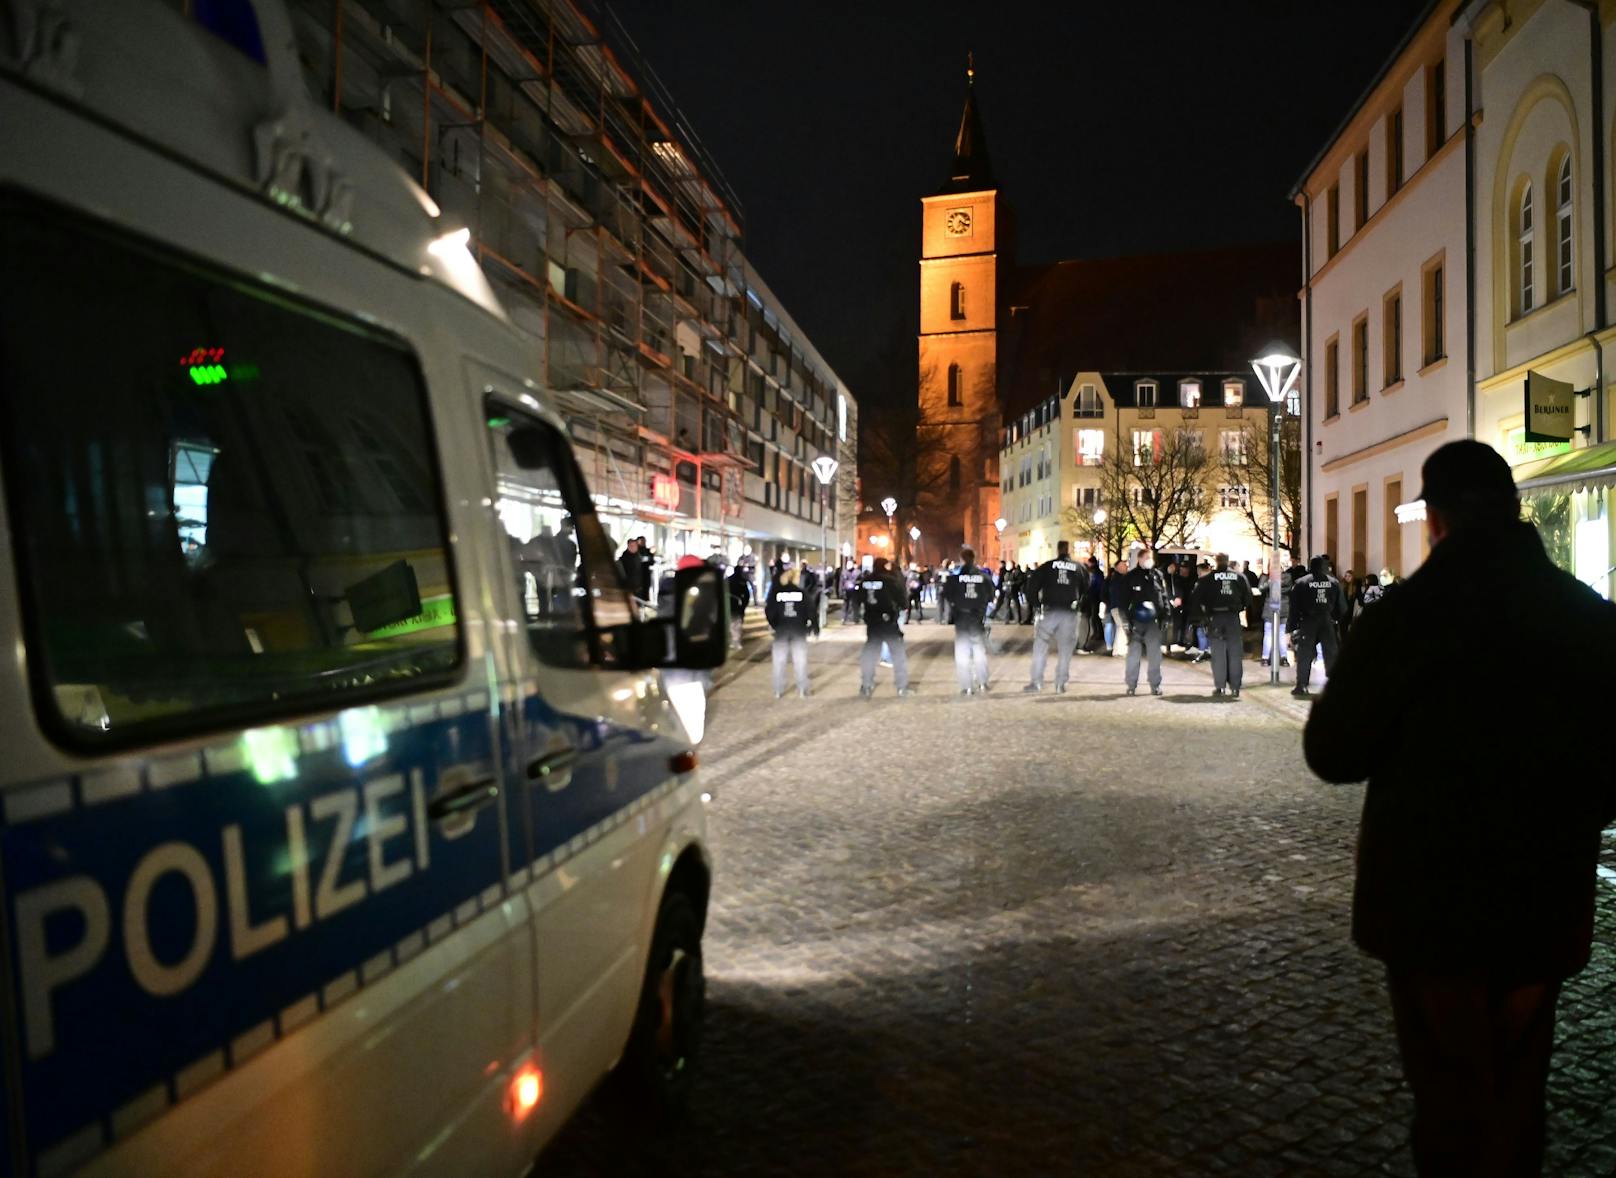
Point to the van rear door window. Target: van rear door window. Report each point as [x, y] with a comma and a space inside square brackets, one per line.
[225, 503]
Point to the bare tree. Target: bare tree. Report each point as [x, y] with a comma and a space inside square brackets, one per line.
[1251, 464]
[1109, 536]
[1157, 492]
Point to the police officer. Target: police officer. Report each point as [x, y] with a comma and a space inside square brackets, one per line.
[1317, 605]
[789, 610]
[1221, 596]
[1147, 608]
[970, 592]
[1058, 586]
[882, 598]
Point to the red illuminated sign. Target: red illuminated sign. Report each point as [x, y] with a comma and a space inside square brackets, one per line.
[664, 491]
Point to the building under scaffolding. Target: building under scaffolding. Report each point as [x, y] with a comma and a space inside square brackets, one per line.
[696, 404]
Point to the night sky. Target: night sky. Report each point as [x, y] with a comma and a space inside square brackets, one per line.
[1114, 128]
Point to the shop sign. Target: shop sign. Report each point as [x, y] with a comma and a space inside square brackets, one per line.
[1549, 413]
[665, 491]
[1518, 450]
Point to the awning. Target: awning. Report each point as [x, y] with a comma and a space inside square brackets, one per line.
[1577, 470]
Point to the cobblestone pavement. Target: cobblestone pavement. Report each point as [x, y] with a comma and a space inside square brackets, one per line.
[1054, 934]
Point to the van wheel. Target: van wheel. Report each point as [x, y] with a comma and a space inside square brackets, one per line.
[656, 1072]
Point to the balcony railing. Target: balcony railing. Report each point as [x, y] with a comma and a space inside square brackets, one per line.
[1147, 411]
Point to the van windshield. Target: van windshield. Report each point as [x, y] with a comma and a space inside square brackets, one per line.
[224, 504]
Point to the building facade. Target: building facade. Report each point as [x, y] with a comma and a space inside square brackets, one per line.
[697, 405]
[1470, 284]
[1542, 207]
[963, 254]
[1384, 303]
[1061, 481]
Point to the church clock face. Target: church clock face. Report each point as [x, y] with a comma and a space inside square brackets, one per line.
[958, 222]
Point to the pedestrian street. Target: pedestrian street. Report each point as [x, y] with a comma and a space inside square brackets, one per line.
[1016, 934]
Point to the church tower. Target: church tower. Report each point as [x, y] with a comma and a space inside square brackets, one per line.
[958, 442]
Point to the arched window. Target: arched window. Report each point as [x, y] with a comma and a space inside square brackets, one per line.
[956, 301]
[954, 381]
[954, 474]
[1562, 227]
[1524, 239]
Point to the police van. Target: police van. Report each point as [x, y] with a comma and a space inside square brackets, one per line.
[345, 826]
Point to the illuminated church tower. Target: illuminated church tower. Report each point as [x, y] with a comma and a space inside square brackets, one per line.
[963, 230]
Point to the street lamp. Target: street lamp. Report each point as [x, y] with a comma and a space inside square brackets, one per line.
[914, 540]
[1000, 525]
[824, 468]
[1099, 522]
[890, 506]
[1277, 369]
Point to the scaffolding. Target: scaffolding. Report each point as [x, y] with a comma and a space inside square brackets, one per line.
[612, 235]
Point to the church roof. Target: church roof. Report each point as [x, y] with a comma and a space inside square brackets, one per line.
[1201, 311]
[972, 170]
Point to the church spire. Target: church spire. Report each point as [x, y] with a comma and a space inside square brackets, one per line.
[972, 169]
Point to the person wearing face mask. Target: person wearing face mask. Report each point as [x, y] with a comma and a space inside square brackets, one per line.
[1148, 606]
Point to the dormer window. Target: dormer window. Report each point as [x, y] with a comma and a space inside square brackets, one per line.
[1144, 394]
[1234, 394]
[1189, 394]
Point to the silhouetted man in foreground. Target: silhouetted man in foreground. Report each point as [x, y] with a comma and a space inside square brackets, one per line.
[1479, 839]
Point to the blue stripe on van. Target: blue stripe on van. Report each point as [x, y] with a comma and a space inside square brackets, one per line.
[128, 1000]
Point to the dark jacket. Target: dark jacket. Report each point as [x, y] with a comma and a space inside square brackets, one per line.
[1116, 591]
[1057, 584]
[970, 592]
[883, 598]
[740, 589]
[1145, 586]
[1317, 596]
[1222, 591]
[1490, 774]
[788, 608]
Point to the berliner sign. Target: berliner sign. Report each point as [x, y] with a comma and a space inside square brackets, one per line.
[1549, 413]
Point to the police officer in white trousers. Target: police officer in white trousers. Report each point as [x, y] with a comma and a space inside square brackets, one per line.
[789, 611]
[1058, 586]
[970, 592]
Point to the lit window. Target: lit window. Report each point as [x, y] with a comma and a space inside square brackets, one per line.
[1189, 394]
[1234, 393]
[1090, 447]
[1237, 496]
[1088, 402]
[1562, 220]
[1234, 446]
[1147, 447]
[1524, 238]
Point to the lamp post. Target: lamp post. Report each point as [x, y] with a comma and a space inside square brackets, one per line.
[890, 506]
[1277, 369]
[1099, 522]
[1000, 525]
[824, 468]
[914, 540]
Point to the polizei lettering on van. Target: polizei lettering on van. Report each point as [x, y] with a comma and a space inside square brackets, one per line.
[184, 919]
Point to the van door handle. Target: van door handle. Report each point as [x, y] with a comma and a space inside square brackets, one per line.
[463, 800]
[551, 764]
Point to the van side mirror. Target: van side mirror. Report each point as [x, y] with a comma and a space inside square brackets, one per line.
[700, 618]
[691, 630]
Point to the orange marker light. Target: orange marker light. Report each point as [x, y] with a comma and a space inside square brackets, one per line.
[527, 1086]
